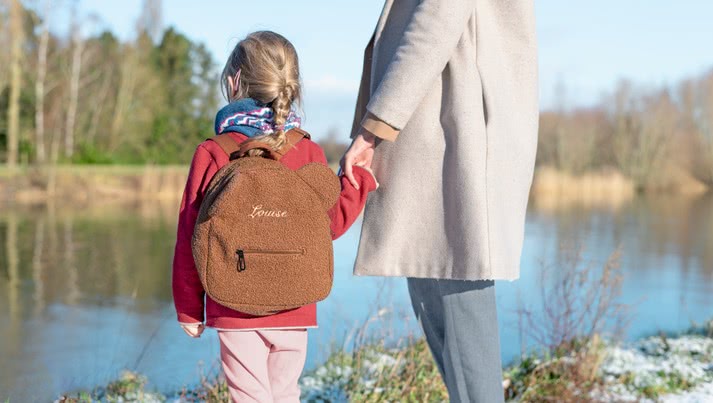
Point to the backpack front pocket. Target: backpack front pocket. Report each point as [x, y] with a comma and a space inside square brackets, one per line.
[243, 255]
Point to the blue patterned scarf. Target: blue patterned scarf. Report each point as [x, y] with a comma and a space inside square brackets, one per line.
[251, 118]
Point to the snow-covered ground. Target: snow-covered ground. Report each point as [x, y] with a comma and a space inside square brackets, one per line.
[661, 364]
[655, 369]
[700, 394]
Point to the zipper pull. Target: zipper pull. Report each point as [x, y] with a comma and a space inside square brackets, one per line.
[241, 260]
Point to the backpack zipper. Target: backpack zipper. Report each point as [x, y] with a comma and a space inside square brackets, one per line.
[241, 260]
[242, 252]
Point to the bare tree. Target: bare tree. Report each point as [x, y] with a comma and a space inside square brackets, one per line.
[98, 106]
[40, 154]
[643, 127]
[150, 20]
[127, 82]
[4, 39]
[130, 70]
[697, 98]
[77, 48]
[13, 110]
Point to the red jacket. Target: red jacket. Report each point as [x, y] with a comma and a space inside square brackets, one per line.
[188, 293]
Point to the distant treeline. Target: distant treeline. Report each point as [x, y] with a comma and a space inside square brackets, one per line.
[92, 98]
[653, 136]
[96, 99]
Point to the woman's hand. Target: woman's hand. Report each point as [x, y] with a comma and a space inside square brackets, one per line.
[193, 329]
[360, 153]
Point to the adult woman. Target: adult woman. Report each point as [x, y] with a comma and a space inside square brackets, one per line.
[449, 95]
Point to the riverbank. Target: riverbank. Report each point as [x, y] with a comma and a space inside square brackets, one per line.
[91, 184]
[662, 368]
[553, 189]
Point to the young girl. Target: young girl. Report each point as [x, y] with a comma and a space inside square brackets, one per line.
[263, 356]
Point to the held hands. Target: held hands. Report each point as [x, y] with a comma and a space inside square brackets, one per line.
[360, 153]
[193, 329]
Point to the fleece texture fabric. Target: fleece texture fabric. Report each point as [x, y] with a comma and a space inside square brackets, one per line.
[189, 298]
[457, 83]
[262, 241]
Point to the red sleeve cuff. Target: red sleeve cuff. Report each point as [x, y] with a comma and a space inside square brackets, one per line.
[366, 178]
[190, 318]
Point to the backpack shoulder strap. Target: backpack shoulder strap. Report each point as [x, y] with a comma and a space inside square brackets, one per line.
[234, 150]
[300, 131]
[227, 143]
[293, 137]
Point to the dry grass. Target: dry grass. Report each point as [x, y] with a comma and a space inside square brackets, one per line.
[553, 189]
[89, 184]
[579, 301]
[571, 374]
[211, 388]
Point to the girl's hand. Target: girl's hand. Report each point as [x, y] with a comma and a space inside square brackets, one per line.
[193, 329]
[360, 153]
[368, 169]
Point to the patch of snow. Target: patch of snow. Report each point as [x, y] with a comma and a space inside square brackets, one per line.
[700, 394]
[654, 362]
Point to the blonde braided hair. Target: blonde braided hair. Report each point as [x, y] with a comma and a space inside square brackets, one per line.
[269, 73]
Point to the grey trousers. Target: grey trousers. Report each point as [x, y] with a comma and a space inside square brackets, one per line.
[460, 322]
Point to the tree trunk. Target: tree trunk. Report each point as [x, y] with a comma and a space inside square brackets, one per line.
[99, 107]
[54, 158]
[13, 110]
[150, 20]
[77, 47]
[124, 95]
[40, 153]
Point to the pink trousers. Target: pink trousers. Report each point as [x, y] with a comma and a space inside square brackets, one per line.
[263, 365]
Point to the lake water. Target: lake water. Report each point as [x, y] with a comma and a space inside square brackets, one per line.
[85, 293]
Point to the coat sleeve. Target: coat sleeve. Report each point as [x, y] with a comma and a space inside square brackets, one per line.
[351, 201]
[364, 89]
[423, 52]
[188, 293]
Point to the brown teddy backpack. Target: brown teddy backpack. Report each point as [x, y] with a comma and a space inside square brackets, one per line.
[262, 242]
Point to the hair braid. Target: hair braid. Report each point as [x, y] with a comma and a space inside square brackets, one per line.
[269, 73]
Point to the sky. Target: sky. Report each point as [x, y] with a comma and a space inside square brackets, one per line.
[584, 47]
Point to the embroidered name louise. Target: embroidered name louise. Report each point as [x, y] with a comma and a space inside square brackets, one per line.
[259, 211]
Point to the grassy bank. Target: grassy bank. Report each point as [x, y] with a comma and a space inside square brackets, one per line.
[553, 188]
[85, 184]
[666, 368]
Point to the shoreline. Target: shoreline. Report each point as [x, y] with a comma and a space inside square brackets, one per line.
[673, 368]
[85, 185]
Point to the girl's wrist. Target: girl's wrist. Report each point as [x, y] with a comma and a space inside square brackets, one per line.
[196, 324]
[369, 174]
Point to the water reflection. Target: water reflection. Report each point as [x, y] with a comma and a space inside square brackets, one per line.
[79, 257]
[88, 289]
[651, 228]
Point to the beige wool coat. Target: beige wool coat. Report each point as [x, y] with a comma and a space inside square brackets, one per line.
[451, 87]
